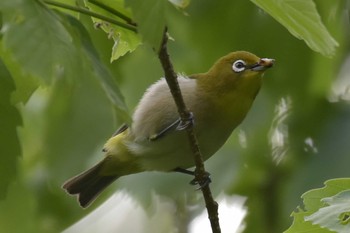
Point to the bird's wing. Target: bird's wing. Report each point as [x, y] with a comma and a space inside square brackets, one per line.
[121, 129]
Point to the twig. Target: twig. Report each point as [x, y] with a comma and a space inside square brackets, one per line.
[113, 11]
[185, 115]
[92, 14]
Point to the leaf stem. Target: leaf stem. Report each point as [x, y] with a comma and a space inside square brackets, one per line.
[113, 11]
[92, 14]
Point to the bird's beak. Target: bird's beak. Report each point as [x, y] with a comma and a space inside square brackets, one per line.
[263, 64]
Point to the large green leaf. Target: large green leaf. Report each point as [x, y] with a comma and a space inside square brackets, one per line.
[302, 20]
[55, 47]
[38, 40]
[326, 209]
[10, 119]
[100, 71]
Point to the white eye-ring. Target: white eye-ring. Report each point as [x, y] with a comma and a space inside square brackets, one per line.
[238, 66]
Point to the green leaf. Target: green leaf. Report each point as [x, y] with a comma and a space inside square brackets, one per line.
[55, 48]
[124, 40]
[25, 84]
[336, 215]
[38, 40]
[10, 119]
[321, 202]
[180, 3]
[84, 110]
[300, 225]
[150, 18]
[303, 21]
[100, 71]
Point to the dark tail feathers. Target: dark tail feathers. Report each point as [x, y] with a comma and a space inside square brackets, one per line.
[88, 185]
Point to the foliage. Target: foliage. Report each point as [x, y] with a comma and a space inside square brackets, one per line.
[301, 18]
[61, 98]
[124, 40]
[327, 209]
[10, 120]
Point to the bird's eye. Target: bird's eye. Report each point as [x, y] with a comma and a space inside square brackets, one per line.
[238, 66]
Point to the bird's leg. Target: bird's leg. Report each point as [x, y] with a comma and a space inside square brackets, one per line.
[202, 183]
[179, 124]
[184, 171]
[156, 136]
[186, 122]
[206, 180]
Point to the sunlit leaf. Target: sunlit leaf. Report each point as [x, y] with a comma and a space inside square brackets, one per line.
[302, 20]
[324, 207]
[10, 119]
[336, 215]
[124, 40]
[124, 43]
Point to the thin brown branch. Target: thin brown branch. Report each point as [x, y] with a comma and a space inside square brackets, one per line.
[186, 117]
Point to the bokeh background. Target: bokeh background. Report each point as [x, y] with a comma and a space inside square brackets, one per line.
[295, 137]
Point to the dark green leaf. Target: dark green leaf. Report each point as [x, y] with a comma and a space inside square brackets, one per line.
[25, 84]
[10, 120]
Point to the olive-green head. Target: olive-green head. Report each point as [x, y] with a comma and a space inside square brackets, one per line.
[237, 69]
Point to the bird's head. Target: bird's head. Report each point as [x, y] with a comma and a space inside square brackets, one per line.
[238, 70]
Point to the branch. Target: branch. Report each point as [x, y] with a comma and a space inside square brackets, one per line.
[185, 115]
[92, 14]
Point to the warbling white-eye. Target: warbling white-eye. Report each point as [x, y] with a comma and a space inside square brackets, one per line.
[218, 99]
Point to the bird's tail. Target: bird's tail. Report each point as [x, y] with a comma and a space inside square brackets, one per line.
[88, 185]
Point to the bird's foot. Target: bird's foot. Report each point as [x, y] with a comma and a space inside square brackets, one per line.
[185, 123]
[203, 182]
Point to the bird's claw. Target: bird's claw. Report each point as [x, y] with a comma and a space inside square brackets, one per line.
[185, 123]
[202, 182]
[205, 181]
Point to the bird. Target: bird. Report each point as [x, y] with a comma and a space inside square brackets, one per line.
[218, 100]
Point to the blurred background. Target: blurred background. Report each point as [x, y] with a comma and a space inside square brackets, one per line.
[295, 137]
